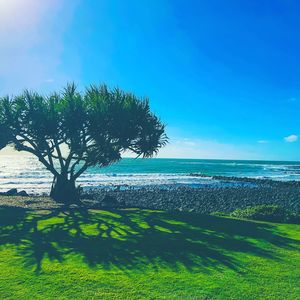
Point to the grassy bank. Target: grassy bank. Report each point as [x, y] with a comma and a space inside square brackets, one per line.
[143, 254]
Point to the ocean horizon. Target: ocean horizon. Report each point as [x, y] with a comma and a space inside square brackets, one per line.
[26, 173]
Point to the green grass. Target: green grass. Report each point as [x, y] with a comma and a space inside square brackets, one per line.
[143, 254]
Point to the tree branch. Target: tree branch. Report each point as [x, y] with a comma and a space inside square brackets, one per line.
[35, 152]
[60, 158]
[80, 171]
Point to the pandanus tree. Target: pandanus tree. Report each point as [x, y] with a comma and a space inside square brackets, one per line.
[71, 131]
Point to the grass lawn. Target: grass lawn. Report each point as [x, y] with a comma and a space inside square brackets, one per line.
[143, 254]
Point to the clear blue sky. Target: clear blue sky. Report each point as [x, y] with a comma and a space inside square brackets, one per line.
[223, 75]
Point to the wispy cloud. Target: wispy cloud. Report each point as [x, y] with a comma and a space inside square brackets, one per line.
[292, 99]
[263, 142]
[49, 80]
[188, 142]
[291, 138]
[212, 149]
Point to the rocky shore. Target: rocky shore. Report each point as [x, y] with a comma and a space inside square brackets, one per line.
[205, 200]
[202, 200]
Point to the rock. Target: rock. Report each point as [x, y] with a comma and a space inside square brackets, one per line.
[109, 201]
[87, 196]
[223, 198]
[23, 194]
[122, 203]
[12, 192]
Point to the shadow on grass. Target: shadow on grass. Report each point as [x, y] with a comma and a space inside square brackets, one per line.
[135, 239]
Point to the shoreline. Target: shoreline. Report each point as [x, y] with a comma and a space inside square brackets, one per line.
[204, 200]
[39, 181]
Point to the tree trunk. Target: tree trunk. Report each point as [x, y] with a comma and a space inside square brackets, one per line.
[63, 190]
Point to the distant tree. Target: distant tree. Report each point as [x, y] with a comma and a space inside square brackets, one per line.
[71, 131]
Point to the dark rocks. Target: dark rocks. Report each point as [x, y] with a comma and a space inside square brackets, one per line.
[23, 194]
[258, 181]
[109, 201]
[12, 192]
[208, 199]
[202, 200]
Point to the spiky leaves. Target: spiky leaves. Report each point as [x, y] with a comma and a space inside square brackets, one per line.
[71, 131]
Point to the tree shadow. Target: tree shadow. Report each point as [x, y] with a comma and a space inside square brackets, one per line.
[133, 239]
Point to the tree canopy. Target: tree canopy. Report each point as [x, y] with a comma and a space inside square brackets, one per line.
[70, 131]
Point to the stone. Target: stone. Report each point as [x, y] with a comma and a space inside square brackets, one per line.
[109, 201]
[23, 194]
[12, 192]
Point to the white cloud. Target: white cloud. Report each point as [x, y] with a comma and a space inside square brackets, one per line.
[206, 149]
[263, 142]
[49, 80]
[188, 142]
[291, 138]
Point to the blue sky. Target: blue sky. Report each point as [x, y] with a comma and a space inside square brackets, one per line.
[223, 75]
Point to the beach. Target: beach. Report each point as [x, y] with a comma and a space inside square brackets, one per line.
[26, 173]
[242, 193]
[205, 200]
[203, 186]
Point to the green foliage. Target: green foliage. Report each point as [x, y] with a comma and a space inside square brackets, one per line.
[272, 213]
[143, 254]
[4, 136]
[71, 131]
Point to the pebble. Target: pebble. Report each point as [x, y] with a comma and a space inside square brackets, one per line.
[204, 200]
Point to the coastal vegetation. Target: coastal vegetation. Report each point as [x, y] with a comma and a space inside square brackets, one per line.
[271, 213]
[71, 131]
[145, 254]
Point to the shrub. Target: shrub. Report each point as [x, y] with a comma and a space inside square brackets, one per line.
[271, 213]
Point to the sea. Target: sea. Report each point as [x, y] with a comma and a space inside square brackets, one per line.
[27, 173]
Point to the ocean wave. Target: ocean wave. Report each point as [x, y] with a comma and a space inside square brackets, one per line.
[28, 174]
